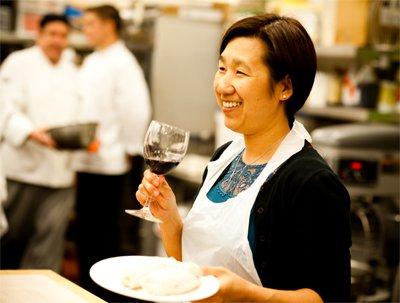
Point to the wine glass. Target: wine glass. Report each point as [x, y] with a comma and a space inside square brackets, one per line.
[164, 148]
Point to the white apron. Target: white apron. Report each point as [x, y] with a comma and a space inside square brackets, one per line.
[215, 234]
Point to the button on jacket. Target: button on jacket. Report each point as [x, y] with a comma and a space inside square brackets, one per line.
[114, 93]
[43, 95]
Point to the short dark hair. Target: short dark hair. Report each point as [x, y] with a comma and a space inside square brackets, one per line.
[107, 12]
[48, 18]
[290, 52]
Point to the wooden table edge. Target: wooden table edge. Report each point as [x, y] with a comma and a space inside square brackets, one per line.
[83, 293]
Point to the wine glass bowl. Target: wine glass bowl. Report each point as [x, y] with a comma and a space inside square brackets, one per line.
[164, 148]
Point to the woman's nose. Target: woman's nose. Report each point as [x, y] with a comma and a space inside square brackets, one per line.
[224, 86]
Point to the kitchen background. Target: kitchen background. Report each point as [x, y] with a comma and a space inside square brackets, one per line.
[353, 110]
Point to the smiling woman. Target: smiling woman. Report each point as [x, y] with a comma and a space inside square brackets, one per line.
[241, 87]
[271, 218]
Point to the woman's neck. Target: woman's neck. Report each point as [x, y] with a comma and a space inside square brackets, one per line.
[262, 145]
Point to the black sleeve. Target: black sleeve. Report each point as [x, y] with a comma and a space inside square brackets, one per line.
[322, 236]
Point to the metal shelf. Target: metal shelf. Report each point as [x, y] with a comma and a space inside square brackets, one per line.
[76, 41]
[13, 38]
[350, 114]
[337, 51]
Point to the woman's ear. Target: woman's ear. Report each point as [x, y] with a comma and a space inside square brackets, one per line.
[286, 89]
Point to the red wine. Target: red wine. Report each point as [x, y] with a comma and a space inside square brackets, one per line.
[160, 167]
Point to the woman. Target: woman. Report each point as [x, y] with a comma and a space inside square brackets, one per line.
[270, 214]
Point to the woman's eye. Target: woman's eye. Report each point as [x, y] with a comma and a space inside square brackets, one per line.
[240, 72]
[221, 68]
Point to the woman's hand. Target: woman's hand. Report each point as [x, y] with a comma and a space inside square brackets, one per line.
[163, 202]
[236, 289]
[232, 287]
[163, 206]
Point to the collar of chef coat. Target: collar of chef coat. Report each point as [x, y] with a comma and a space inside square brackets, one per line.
[67, 55]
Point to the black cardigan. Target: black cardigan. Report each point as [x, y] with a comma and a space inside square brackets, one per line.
[303, 235]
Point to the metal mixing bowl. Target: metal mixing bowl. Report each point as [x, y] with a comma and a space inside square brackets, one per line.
[76, 136]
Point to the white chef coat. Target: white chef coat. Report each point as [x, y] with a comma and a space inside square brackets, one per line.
[216, 234]
[5, 115]
[114, 94]
[43, 95]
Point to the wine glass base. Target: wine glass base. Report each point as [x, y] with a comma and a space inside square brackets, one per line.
[144, 214]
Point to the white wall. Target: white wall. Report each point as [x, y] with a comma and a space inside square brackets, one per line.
[184, 63]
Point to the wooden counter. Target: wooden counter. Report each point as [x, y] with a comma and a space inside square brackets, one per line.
[41, 286]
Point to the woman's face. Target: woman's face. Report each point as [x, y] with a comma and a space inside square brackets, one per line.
[242, 87]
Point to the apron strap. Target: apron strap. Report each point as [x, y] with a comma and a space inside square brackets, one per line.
[214, 157]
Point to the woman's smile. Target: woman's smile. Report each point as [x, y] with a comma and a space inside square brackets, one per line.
[230, 106]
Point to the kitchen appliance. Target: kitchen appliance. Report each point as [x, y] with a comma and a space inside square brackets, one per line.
[366, 158]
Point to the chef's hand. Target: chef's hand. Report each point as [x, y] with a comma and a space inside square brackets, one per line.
[232, 287]
[163, 202]
[41, 137]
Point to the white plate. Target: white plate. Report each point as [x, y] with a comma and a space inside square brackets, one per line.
[108, 273]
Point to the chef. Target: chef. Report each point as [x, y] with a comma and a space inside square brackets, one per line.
[115, 94]
[39, 83]
[6, 113]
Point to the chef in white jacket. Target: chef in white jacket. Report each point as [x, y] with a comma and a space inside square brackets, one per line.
[115, 94]
[40, 83]
[6, 113]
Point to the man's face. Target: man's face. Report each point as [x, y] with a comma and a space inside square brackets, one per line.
[95, 29]
[53, 39]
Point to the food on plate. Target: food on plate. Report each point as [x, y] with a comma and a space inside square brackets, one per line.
[165, 276]
[169, 281]
[132, 276]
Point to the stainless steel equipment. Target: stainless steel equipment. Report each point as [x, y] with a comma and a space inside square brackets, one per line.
[366, 158]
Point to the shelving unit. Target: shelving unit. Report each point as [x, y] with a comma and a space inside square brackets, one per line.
[337, 51]
[13, 38]
[76, 41]
[350, 114]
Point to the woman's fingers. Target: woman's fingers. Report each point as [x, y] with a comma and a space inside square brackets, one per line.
[150, 188]
[140, 196]
[155, 188]
[156, 185]
[151, 178]
[146, 190]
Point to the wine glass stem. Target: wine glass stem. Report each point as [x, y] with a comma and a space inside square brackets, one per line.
[147, 204]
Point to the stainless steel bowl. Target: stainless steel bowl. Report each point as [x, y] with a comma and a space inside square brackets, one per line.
[72, 137]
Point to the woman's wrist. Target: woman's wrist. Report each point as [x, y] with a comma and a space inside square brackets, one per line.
[252, 292]
[247, 291]
[173, 222]
[171, 234]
